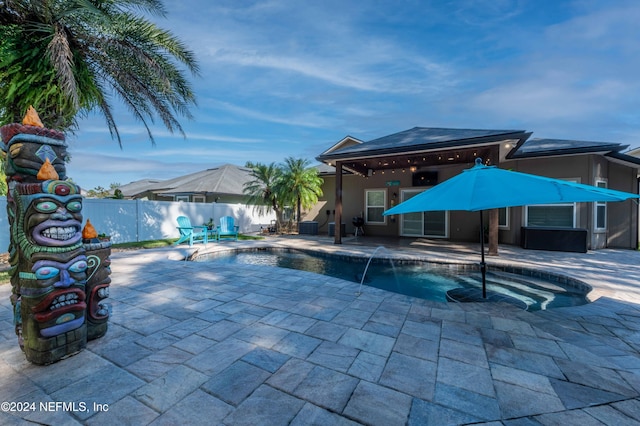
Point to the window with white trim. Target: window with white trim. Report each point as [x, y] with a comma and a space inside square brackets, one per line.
[198, 199]
[184, 198]
[600, 210]
[375, 205]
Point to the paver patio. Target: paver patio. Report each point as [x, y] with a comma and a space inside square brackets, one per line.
[194, 343]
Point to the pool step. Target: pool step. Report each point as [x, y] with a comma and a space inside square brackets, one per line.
[474, 295]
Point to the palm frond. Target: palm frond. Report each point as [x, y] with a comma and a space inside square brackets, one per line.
[94, 47]
[61, 56]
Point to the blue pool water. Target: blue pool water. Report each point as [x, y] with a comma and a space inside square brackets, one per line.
[420, 279]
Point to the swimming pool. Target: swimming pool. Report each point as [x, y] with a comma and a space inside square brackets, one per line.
[419, 279]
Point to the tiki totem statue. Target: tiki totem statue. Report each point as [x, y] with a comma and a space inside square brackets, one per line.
[49, 264]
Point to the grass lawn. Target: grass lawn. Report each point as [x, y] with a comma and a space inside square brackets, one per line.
[146, 244]
[169, 242]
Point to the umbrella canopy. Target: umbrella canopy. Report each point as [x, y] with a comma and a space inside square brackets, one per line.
[488, 187]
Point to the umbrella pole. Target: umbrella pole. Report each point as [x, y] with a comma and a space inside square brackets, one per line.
[483, 265]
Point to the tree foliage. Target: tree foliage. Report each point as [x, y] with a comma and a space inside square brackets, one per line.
[264, 189]
[101, 192]
[302, 185]
[98, 192]
[278, 186]
[68, 57]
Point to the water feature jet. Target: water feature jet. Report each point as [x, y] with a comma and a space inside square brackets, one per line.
[366, 268]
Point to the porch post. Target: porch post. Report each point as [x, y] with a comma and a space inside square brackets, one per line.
[338, 216]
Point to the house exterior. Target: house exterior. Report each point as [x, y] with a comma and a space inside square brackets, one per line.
[224, 184]
[371, 177]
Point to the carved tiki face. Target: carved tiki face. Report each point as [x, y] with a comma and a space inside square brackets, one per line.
[54, 217]
[54, 297]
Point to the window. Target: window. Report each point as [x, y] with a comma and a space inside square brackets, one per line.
[184, 198]
[376, 201]
[198, 199]
[600, 210]
[503, 218]
[554, 215]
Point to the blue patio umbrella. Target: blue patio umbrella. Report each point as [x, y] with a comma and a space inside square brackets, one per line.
[488, 187]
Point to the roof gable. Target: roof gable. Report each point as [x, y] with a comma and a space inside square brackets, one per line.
[345, 142]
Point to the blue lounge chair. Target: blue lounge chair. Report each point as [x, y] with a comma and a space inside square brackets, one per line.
[227, 229]
[191, 233]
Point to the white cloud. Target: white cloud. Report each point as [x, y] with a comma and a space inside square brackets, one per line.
[322, 43]
[541, 98]
[306, 119]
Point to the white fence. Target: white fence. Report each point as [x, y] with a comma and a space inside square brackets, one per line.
[141, 220]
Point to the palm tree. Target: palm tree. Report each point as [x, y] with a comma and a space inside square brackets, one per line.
[66, 57]
[302, 183]
[264, 191]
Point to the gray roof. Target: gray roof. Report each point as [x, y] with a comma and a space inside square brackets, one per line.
[544, 147]
[422, 138]
[627, 160]
[226, 179]
[324, 169]
[132, 189]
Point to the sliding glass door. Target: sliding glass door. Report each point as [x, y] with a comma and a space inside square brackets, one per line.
[425, 224]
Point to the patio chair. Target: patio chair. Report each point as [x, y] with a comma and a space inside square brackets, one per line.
[191, 233]
[227, 229]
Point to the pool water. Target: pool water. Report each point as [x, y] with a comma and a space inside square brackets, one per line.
[420, 279]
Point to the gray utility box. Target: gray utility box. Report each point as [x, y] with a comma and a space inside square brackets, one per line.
[308, 227]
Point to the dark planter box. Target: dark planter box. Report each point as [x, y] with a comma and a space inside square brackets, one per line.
[555, 239]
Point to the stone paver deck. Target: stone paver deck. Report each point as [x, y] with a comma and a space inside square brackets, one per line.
[189, 343]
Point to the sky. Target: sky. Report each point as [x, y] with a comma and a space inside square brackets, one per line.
[285, 78]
